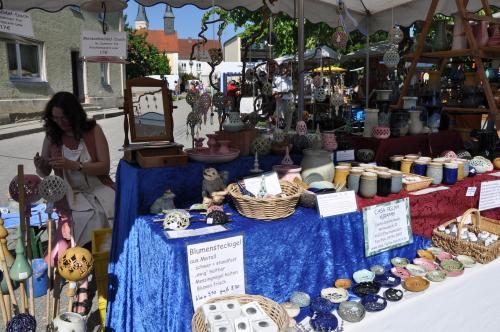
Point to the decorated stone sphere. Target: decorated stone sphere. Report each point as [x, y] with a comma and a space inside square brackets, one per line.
[75, 264]
[261, 145]
[21, 323]
[176, 219]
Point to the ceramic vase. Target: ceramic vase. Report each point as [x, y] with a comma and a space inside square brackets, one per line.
[233, 122]
[416, 125]
[317, 164]
[20, 269]
[440, 42]
[450, 173]
[395, 163]
[353, 180]
[406, 165]
[459, 40]
[383, 184]
[371, 120]
[434, 121]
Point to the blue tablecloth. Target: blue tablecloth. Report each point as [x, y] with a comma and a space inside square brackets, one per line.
[148, 275]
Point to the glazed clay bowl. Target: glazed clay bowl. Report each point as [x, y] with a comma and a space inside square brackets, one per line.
[363, 276]
[343, 283]
[351, 311]
[416, 270]
[451, 265]
[436, 275]
[365, 288]
[435, 250]
[377, 269]
[393, 294]
[400, 272]
[416, 284]
[388, 280]
[427, 264]
[373, 303]
[442, 256]
[400, 261]
[467, 261]
[335, 295]
[426, 254]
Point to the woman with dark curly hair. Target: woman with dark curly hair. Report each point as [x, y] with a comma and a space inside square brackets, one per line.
[76, 149]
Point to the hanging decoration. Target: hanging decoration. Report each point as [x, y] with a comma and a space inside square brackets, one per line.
[339, 39]
[395, 35]
[320, 94]
[204, 103]
[191, 98]
[391, 57]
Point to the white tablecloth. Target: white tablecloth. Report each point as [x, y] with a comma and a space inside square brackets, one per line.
[467, 303]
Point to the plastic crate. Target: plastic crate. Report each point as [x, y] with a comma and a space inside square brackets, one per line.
[101, 260]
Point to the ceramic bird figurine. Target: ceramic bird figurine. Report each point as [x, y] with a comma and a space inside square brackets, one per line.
[213, 187]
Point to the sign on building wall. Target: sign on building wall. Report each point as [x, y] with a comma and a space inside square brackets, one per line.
[97, 44]
[17, 23]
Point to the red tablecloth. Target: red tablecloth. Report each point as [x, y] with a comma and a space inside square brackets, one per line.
[426, 144]
[431, 210]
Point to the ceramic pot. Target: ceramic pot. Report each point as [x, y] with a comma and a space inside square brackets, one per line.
[409, 103]
[329, 141]
[368, 185]
[395, 162]
[371, 120]
[69, 322]
[383, 94]
[440, 42]
[434, 121]
[365, 155]
[460, 170]
[353, 180]
[317, 163]
[399, 123]
[233, 122]
[416, 125]
[261, 145]
[406, 165]
[380, 132]
[288, 172]
[459, 40]
[340, 178]
[450, 173]
[435, 171]
[481, 33]
[419, 167]
[384, 183]
[396, 181]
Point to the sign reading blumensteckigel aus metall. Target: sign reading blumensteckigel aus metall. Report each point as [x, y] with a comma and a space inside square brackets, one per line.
[97, 44]
[16, 23]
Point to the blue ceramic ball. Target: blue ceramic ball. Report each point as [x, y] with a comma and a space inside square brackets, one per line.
[22, 323]
[322, 305]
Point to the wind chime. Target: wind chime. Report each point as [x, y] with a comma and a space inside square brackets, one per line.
[395, 36]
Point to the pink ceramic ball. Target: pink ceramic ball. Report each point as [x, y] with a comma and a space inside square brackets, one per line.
[449, 154]
[381, 132]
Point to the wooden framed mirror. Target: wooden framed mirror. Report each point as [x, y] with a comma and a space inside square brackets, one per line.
[148, 109]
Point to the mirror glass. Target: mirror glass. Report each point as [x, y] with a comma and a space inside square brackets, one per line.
[148, 110]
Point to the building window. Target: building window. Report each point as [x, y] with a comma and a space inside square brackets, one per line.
[183, 66]
[198, 66]
[105, 73]
[24, 60]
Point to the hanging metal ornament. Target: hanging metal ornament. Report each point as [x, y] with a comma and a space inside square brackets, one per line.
[317, 81]
[193, 120]
[218, 100]
[191, 98]
[267, 89]
[204, 102]
[339, 39]
[320, 94]
[395, 35]
[391, 57]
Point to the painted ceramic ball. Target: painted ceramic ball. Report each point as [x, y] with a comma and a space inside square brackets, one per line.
[75, 264]
[261, 145]
[449, 154]
[52, 188]
[21, 323]
[31, 185]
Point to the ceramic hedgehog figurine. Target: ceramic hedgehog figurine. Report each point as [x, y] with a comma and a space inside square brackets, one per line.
[213, 187]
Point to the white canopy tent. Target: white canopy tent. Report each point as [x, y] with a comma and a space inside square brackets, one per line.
[323, 52]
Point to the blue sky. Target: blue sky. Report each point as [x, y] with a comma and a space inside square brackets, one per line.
[187, 20]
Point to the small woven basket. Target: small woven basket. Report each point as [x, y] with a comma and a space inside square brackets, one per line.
[266, 208]
[275, 311]
[413, 186]
[454, 244]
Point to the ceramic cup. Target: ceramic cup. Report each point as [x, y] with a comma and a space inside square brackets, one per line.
[341, 173]
[368, 185]
[412, 156]
[381, 168]
[395, 163]
[460, 170]
[406, 165]
[396, 181]
[353, 180]
[384, 184]
[426, 159]
[450, 173]
[419, 167]
[466, 166]
[435, 171]
[440, 160]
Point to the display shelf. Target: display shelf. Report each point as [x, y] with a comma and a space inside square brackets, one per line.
[465, 110]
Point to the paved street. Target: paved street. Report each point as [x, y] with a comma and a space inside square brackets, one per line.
[20, 150]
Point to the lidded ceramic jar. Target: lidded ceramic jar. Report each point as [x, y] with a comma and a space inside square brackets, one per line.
[466, 166]
[340, 178]
[233, 122]
[371, 121]
[317, 164]
[396, 181]
[353, 179]
[460, 167]
[435, 171]
[384, 184]
[406, 165]
[396, 162]
[368, 185]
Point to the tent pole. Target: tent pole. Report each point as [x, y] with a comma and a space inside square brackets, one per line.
[300, 6]
[367, 73]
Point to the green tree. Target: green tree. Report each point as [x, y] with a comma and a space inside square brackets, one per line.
[144, 58]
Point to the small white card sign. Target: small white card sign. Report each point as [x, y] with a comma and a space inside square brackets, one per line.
[387, 226]
[97, 44]
[471, 191]
[333, 204]
[216, 268]
[252, 184]
[489, 197]
[344, 155]
[15, 22]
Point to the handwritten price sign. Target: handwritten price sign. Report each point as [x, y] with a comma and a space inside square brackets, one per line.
[95, 43]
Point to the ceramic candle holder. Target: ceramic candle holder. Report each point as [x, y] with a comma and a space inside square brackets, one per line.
[450, 173]
[435, 171]
[396, 181]
[406, 165]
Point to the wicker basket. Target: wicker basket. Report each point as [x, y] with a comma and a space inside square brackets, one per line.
[424, 183]
[275, 311]
[266, 208]
[457, 246]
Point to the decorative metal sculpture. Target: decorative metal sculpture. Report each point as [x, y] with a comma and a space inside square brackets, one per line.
[191, 98]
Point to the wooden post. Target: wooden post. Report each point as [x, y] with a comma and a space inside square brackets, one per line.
[418, 51]
[22, 220]
[50, 284]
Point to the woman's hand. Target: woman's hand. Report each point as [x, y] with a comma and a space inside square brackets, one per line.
[61, 163]
[41, 164]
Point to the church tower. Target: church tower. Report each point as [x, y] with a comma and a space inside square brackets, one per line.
[141, 20]
[168, 21]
